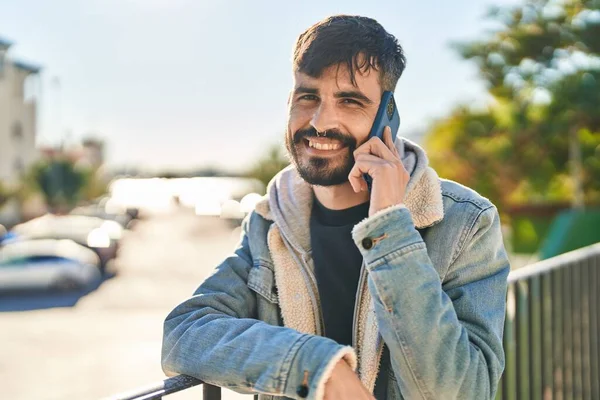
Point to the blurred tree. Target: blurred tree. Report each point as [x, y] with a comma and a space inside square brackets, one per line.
[539, 141]
[273, 161]
[5, 194]
[96, 183]
[61, 183]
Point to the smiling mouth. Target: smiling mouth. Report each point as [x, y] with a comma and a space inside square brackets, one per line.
[323, 144]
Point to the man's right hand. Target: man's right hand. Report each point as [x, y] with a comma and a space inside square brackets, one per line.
[344, 384]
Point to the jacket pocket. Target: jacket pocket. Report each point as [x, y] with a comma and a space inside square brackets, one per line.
[261, 280]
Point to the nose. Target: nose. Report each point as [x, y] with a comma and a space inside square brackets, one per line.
[325, 118]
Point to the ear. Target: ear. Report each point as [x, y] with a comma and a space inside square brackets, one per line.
[289, 99]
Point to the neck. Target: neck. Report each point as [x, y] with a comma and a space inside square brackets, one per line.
[339, 197]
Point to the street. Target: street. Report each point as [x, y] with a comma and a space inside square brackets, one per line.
[90, 346]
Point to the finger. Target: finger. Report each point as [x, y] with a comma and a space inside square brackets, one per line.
[389, 141]
[356, 179]
[364, 164]
[387, 138]
[376, 147]
[369, 158]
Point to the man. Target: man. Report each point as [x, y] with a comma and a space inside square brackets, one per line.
[338, 292]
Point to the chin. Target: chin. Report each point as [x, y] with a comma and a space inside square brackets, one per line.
[321, 172]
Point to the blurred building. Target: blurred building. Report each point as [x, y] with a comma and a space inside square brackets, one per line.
[93, 151]
[88, 153]
[18, 83]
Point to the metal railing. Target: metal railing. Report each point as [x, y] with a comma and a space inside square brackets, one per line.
[551, 329]
[550, 334]
[169, 386]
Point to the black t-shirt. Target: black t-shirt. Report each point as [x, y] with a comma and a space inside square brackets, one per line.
[337, 266]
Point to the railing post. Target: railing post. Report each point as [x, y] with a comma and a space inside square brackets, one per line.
[535, 338]
[547, 349]
[567, 334]
[509, 379]
[210, 392]
[577, 348]
[500, 391]
[557, 333]
[594, 287]
[524, 379]
[585, 331]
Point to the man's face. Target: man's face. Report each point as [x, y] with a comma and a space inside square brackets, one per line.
[330, 105]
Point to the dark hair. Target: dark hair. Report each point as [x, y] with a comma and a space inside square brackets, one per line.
[358, 42]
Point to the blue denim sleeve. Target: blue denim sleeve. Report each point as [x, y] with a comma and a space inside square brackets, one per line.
[215, 337]
[445, 339]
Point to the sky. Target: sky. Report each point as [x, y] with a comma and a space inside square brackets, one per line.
[178, 84]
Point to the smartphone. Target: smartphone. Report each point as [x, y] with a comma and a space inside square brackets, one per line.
[387, 115]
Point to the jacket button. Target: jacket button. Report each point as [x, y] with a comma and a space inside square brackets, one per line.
[302, 391]
[367, 243]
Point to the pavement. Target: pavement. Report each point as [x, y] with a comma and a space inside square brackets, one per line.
[107, 341]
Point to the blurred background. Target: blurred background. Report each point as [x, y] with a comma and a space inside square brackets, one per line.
[135, 135]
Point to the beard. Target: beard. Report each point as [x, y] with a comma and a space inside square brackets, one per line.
[321, 171]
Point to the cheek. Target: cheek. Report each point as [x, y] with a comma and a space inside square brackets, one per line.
[298, 118]
[359, 126]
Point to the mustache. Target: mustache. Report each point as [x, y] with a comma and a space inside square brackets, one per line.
[334, 134]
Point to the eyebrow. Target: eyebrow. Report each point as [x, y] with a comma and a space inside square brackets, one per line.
[353, 94]
[306, 90]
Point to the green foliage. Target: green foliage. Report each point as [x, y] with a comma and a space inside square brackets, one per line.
[95, 185]
[5, 194]
[273, 161]
[542, 67]
[61, 183]
[528, 233]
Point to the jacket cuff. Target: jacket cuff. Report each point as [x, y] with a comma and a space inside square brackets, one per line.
[347, 353]
[388, 230]
[315, 360]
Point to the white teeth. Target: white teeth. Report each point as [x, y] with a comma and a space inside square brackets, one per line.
[324, 146]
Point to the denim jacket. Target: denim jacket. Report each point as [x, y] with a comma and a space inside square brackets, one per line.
[429, 310]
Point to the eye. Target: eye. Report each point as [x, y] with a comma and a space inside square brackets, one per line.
[309, 97]
[351, 101]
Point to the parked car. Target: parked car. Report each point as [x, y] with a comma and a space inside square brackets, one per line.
[47, 264]
[98, 211]
[98, 234]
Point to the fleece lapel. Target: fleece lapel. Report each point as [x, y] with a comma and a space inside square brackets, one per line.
[369, 343]
[424, 201]
[293, 292]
